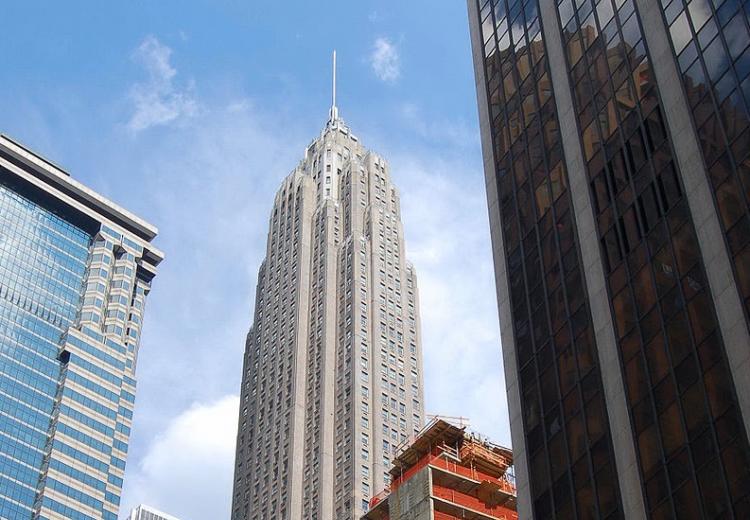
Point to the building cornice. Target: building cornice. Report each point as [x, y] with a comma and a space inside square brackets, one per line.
[59, 179]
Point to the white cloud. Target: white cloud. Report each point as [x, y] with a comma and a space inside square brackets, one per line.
[447, 232]
[209, 192]
[158, 101]
[445, 132]
[385, 60]
[188, 468]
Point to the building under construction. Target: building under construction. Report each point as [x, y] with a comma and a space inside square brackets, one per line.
[447, 473]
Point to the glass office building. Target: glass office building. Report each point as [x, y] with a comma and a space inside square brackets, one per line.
[616, 142]
[74, 273]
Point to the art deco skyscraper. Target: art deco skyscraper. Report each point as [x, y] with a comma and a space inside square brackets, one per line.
[75, 270]
[616, 137]
[332, 376]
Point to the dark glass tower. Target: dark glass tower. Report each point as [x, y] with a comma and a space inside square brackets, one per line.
[616, 140]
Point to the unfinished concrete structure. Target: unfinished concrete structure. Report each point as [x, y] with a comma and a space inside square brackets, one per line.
[445, 473]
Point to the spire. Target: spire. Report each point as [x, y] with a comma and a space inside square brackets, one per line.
[333, 115]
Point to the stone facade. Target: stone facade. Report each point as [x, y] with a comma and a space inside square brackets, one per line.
[332, 373]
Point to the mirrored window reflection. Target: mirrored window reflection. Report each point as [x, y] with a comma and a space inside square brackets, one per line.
[712, 42]
[42, 273]
[569, 447]
[662, 311]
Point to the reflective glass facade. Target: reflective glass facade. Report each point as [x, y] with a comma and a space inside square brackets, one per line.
[42, 269]
[72, 293]
[665, 240]
[711, 40]
[683, 409]
[568, 442]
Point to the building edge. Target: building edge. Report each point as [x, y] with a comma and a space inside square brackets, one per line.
[510, 364]
[52, 175]
[700, 200]
[595, 283]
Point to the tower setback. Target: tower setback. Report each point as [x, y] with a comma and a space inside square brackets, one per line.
[332, 373]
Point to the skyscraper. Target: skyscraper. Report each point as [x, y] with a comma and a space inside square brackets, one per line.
[144, 512]
[332, 377]
[615, 137]
[75, 270]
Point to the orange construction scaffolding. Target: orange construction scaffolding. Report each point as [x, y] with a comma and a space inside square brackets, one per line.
[470, 476]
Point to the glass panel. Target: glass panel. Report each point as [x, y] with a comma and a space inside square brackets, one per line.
[680, 31]
[540, 241]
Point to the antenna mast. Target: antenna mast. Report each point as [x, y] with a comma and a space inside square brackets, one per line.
[334, 114]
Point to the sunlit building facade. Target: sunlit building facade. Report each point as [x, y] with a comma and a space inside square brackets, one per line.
[332, 376]
[75, 270]
[615, 136]
[144, 512]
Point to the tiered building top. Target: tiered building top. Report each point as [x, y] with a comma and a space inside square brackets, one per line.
[332, 376]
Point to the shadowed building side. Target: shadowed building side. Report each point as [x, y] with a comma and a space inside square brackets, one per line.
[652, 106]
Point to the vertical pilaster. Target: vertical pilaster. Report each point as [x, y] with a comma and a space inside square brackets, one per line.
[328, 362]
[302, 331]
[510, 363]
[699, 196]
[614, 389]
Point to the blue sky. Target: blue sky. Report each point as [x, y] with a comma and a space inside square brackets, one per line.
[190, 114]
